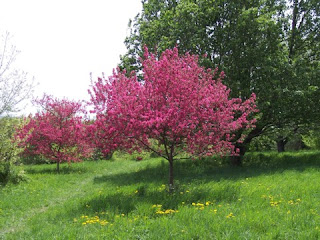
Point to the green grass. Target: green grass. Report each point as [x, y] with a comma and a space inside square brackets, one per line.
[271, 197]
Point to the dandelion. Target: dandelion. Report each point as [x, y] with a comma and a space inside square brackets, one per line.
[156, 206]
[230, 215]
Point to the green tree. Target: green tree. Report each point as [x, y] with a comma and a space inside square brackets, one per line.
[253, 41]
[8, 151]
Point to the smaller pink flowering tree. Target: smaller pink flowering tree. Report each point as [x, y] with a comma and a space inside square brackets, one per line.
[57, 132]
[179, 104]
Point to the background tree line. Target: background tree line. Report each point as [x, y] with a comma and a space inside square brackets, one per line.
[269, 47]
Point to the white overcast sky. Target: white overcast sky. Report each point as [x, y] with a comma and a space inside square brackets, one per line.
[62, 41]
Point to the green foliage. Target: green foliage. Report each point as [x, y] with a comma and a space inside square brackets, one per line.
[312, 139]
[36, 159]
[127, 199]
[9, 152]
[261, 144]
[270, 47]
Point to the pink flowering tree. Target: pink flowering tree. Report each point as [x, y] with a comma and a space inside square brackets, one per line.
[179, 104]
[57, 132]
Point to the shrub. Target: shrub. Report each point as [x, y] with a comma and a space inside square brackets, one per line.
[9, 152]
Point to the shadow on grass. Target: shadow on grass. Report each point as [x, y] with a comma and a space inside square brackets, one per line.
[148, 180]
[51, 169]
[131, 203]
[207, 170]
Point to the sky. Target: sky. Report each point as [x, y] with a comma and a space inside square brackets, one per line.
[63, 41]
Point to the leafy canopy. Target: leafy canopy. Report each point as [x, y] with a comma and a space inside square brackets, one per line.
[179, 103]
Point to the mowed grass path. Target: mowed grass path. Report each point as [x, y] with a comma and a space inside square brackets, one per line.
[278, 197]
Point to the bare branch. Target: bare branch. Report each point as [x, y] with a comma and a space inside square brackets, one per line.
[15, 85]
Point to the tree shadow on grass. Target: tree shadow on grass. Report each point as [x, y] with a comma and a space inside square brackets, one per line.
[206, 170]
[148, 192]
[53, 170]
[131, 203]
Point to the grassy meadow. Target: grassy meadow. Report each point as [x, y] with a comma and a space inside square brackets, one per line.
[273, 196]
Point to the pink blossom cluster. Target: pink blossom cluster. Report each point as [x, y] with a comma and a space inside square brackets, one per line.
[180, 104]
[57, 132]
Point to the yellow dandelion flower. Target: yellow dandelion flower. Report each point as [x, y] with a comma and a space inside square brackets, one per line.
[230, 215]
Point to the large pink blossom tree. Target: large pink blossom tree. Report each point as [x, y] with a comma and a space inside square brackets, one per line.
[57, 132]
[179, 104]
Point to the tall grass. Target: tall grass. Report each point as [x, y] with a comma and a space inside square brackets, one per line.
[271, 197]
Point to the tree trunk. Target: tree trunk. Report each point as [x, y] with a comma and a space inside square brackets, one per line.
[171, 185]
[237, 160]
[58, 166]
[281, 142]
[280, 146]
[108, 156]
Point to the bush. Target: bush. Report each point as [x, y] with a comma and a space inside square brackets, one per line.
[262, 143]
[312, 139]
[9, 152]
[99, 155]
[36, 159]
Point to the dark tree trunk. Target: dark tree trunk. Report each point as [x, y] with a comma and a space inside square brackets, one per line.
[108, 156]
[281, 142]
[237, 160]
[280, 146]
[58, 166]
[171, 185]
